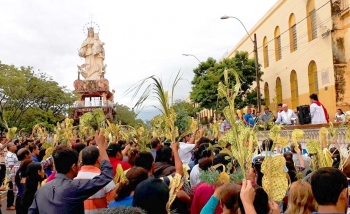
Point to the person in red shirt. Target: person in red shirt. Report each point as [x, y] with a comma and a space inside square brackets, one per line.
[115, 155]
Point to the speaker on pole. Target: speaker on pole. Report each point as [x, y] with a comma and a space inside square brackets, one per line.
[304, 114]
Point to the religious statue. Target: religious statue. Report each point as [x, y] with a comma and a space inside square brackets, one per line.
[93, 52]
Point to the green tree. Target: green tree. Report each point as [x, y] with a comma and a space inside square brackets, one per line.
[183, 120]
[251, 98]
[208, 74]
[24, 95]
[182, 104]
[125, 116]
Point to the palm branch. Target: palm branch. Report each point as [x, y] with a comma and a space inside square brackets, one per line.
[156, 90]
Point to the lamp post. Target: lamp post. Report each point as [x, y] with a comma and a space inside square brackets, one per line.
[193, 56]
[256, 60]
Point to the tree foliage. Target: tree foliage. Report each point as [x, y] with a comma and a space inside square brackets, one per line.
[184, 111]
[208, 74]
[26, 96]
[183, 120]
[252, 96]
[125, 116]
[182, 104]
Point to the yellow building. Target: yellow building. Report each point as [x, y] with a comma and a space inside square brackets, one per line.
[298, 47]
[205, 115]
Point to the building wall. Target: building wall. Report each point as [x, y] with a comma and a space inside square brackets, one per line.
[341, 26]
[276, 22]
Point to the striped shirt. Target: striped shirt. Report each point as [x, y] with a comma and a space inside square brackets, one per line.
[13, 176]
[100, 199]
[11, 159]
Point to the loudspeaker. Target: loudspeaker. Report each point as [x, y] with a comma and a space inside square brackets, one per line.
[304, 114]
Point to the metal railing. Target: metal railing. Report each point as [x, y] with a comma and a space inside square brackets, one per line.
[309, 134]
[93, 103]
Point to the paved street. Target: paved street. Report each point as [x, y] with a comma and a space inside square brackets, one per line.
[3, 207]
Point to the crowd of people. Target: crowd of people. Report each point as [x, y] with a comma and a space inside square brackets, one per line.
[96, 176]
[317, 113]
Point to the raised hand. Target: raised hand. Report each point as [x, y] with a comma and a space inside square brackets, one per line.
[100, 139]
[247, 192]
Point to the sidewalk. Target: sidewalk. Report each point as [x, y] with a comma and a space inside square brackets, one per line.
[3, 207]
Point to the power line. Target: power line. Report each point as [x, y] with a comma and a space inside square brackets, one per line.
[299, 38]
[296, 23]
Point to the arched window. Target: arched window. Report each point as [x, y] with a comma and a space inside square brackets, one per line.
[278, 48]
[266, 53]
[311, 20]
[313, 80]
[293, 40]
[294, 89]
[279, 98]
[267, 94]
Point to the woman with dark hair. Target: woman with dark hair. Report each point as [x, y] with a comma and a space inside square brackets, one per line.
[164, 165]
[294, 170]
[20, 180]
[125, 195]
[339, 116]
[260, 203]
[35, 175]
[41, 154]
[131, 156]
[152, 195]
[200, 153]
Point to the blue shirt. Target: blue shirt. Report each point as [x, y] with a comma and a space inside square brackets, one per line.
[154, 153]
[210, 206]
[249, 119]
[64, 195]
[34, 158]
[124, 202]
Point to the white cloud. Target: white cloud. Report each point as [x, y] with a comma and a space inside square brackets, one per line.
[142, 38]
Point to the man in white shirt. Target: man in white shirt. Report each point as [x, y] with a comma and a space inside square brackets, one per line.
[286, 116]
[186, 146]
[318, 112]
[11, 160]
[279, 109]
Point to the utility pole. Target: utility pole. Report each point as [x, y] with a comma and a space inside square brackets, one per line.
[256, 60]
[257, 73]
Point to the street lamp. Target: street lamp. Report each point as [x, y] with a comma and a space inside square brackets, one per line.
[193, 56]
[256, 60]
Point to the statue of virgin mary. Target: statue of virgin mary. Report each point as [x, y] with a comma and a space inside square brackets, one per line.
[93, 68]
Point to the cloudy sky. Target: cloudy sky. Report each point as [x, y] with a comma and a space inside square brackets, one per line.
[143, 38]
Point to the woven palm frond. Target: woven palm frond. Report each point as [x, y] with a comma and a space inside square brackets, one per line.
[297, 134]
[274, 181]
[347, 133]
[175, 185]
[283, 142]
[275, 132]
[242, 139]
[313, 146]
[222, 90]
[323, 134]
[321, 157]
